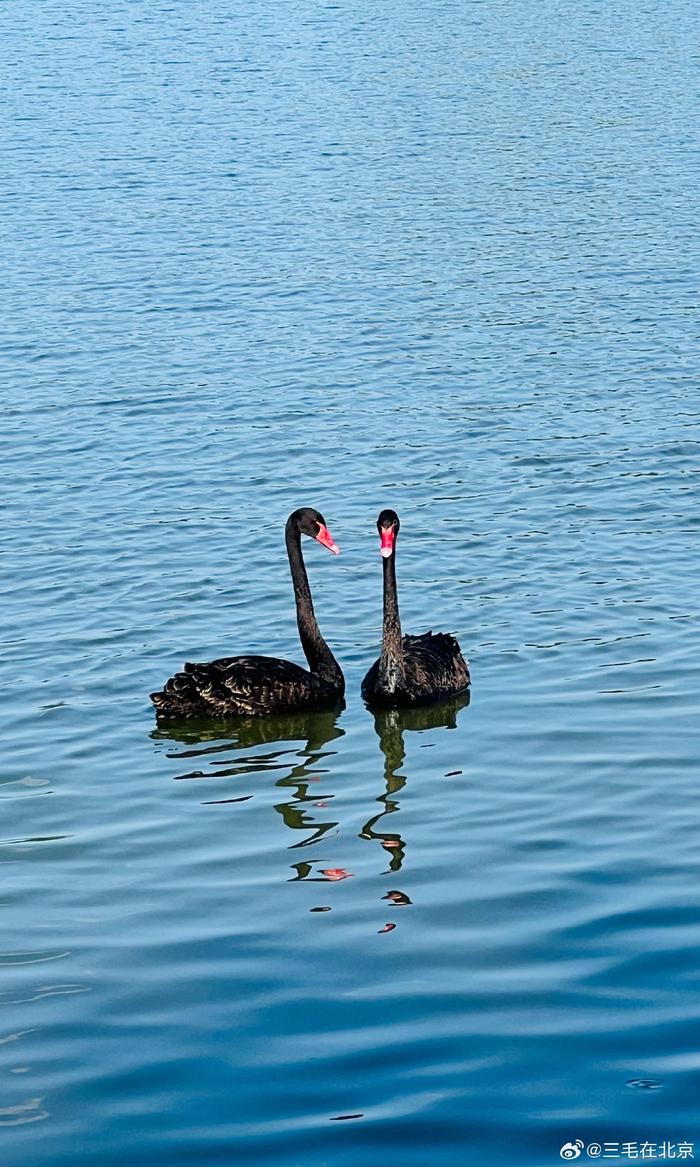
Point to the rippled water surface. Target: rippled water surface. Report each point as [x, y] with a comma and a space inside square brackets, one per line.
[437, 256]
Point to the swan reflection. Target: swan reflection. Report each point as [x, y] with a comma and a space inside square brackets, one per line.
[298, 751]
[219, 745]
[390, 725]
[317, 729]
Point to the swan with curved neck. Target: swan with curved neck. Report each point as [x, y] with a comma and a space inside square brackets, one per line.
[260, 685]
[411, 670]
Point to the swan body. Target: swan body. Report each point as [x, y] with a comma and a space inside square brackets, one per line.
[411, 670]
[261, 685]
[434, 669]
[244, 686]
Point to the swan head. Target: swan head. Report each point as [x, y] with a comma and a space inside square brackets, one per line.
[388, 526]
[312, 523]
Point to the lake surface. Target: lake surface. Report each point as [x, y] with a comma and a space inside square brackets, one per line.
[440, 257]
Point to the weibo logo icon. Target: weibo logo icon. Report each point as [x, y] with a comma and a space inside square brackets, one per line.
[571, 1150]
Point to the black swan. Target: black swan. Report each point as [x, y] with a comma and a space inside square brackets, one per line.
[413, 670]
[260, 685]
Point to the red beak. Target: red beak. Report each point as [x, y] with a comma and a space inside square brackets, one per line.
[324, 536]
[387, 546]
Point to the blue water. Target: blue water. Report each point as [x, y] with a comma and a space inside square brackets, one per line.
[441, 257]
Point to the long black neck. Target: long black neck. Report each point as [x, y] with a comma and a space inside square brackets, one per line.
[322, 663]
[391, 662]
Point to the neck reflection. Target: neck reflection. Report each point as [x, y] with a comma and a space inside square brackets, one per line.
[390, 725]
[228, 750]
[243, 749]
